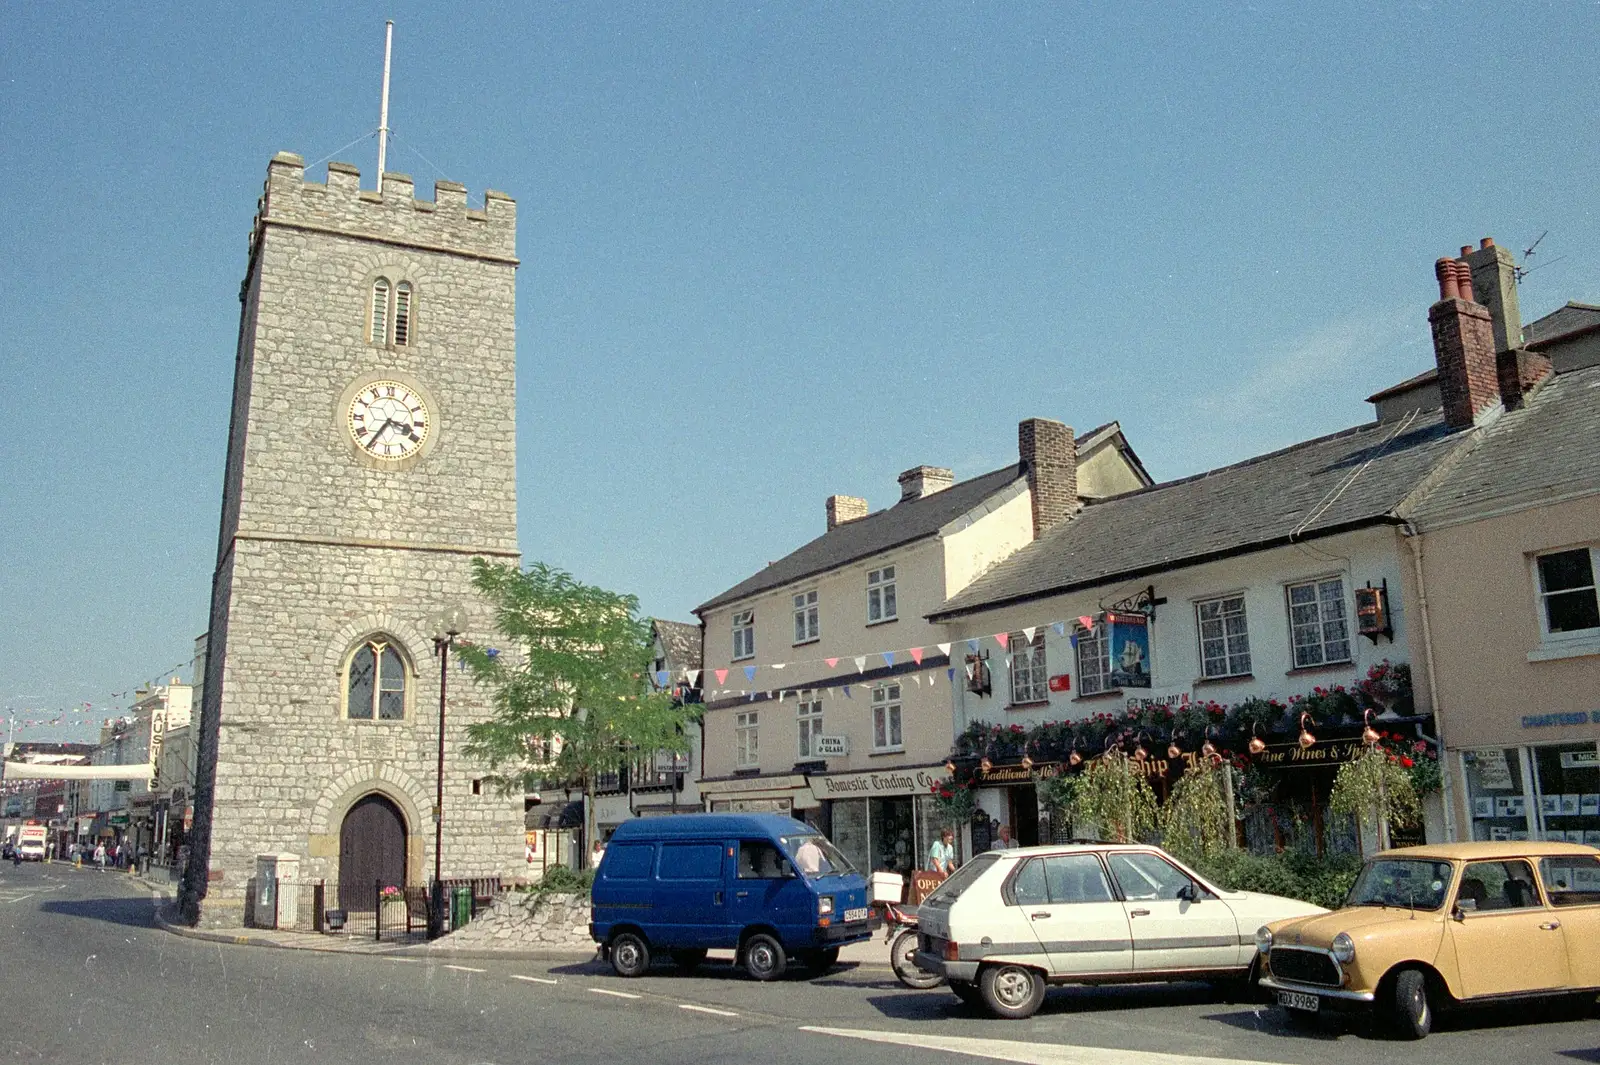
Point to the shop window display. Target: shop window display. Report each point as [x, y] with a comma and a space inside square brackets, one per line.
[850, 832]
[893, 844]
[1495, 792]
[1568, 778]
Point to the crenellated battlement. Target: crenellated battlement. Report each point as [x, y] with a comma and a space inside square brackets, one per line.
[341, 205]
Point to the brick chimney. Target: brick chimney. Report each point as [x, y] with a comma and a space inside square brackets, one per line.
[843, 509]
[1049, 456]
[922, 481]
[1463, 347]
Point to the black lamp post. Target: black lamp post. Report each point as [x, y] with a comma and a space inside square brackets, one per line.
[451, 624]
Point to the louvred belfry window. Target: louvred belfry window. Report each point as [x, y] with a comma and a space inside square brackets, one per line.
[402, 313]
[380, 311]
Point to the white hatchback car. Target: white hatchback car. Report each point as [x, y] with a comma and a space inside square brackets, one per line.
[1009, 922]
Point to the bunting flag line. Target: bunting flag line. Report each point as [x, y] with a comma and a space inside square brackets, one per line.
[888, 658]
[749, 672]
[779, 665]
[847, 694]
[951, 673]
[831, 662]
[1060, 627]
[944, 649]
[1003, 639]
[861, 663]
[1027, 633]
[916, 655]
[721, 674]
[661, 678]
[972, 645]
[693, 676]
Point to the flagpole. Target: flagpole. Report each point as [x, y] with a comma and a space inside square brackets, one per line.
[383, 108]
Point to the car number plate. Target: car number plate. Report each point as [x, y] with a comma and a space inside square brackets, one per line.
[856, 915]
[1294, 1000]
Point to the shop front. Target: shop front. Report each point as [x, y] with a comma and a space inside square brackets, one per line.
[786, 794]
[1535, 790]
[882, 821]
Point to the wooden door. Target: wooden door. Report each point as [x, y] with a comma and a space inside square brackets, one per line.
[372, 848]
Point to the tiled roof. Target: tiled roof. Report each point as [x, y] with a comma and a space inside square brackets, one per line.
[1349, 479]
[681, 641]
[900, 524]
[1573, 318]
[1548, 450]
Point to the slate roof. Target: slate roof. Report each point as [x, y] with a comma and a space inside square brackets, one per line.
[1352, 478]
[681, 641]
[879, 531]
[1573, 318]
[1548, 450]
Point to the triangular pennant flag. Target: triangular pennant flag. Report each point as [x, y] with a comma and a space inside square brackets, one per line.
[661, 678]
[916, 655]
[1027, 633]
[831, 662]
[693, 675]
[916, 678]
[1060, 627]
[749, 672]
[752, 696]
[1003, 639]
[1086, 622]
[779, 665]
[888, 658]
[972, 645]
[1074, 639]
[951, 673]
[969, 670]
[847, 694]
[944, 649]
[722, 675]
[861, 667]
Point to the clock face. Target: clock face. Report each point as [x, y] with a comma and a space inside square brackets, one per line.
[389, 420]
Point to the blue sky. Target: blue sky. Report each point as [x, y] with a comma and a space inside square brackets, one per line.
[769, 253]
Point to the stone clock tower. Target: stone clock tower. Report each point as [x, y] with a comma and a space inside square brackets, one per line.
[371, 457]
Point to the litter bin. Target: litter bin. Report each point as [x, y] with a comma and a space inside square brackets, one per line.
[461, 908]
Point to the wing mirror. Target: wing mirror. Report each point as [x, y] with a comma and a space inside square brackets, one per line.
[1457, 913]
[786, 869]
[1190, 892]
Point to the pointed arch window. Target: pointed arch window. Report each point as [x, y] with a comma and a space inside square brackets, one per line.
[380, 311]
[402, 313]
[375, 682]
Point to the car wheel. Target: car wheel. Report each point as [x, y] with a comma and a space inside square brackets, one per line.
[688, 961]
[1410, 1012]
[764, 958]
[1011, 992]
[967, 992]
[630, 954]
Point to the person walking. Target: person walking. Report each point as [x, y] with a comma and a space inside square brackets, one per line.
[100, 857]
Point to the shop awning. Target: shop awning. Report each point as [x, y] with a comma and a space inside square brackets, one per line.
[555, 815]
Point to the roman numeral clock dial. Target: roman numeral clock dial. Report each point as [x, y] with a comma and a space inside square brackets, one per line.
[389, 420]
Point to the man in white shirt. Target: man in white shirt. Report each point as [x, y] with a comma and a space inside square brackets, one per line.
[1003, 840]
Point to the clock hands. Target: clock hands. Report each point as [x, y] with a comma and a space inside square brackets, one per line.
[379, 434]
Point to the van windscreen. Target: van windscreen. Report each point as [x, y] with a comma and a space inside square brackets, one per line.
[814, 856]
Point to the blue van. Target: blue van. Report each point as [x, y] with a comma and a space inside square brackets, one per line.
[766, 886]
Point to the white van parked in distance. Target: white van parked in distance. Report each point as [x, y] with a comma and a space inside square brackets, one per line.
[1008, 923]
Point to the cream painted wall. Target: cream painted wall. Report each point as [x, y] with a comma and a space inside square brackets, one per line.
[979, 539]
[1104, 472]
[1483, 609]
[1366, 555]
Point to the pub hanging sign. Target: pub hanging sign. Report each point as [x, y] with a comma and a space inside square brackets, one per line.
[1130, 649]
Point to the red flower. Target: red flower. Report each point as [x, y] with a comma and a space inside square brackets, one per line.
[1408, 763]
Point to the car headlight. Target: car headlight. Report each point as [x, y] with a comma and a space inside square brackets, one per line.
[1343, 948]
[1263, 939]
[825, 905]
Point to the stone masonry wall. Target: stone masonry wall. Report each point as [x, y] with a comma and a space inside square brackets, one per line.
[524, 921]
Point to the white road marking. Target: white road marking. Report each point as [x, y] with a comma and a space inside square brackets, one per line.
[465, 969]
[614, 994]
[534, 979]
[706, 1009]
[1029, 1053]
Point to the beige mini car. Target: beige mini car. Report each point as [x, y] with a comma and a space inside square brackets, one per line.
[1427, 928]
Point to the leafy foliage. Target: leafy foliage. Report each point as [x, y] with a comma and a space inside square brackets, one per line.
[559, 880]
[1113, 794]
[572, 697]
[1195, 822]
[1322, 881]
[1377, 785]
[954, 803]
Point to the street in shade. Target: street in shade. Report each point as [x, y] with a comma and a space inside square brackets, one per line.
[86, 976]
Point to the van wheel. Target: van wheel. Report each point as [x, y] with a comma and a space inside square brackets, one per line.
[688, 961]
[1012, 992]
[1410, 1012]
[630, 955]
[764, 958]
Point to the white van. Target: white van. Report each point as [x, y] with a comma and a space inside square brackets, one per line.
[1009, 922]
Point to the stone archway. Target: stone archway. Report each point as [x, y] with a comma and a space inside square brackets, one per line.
[372, 852]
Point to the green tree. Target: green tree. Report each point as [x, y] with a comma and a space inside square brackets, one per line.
[1113, 795]
[1196, 822]
[1376, 785]
[571, 692]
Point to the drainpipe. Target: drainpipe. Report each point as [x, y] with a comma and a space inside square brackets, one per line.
[1447, 775]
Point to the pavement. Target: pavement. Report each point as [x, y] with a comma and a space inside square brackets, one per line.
[87, 976]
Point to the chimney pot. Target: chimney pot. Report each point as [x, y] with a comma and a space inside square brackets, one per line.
[1049, 456]
[1464, 279]
[1494, 284]
[845, 509]
[1445, 271]
[1466, 250]
[920, 481]
[1486, 242]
